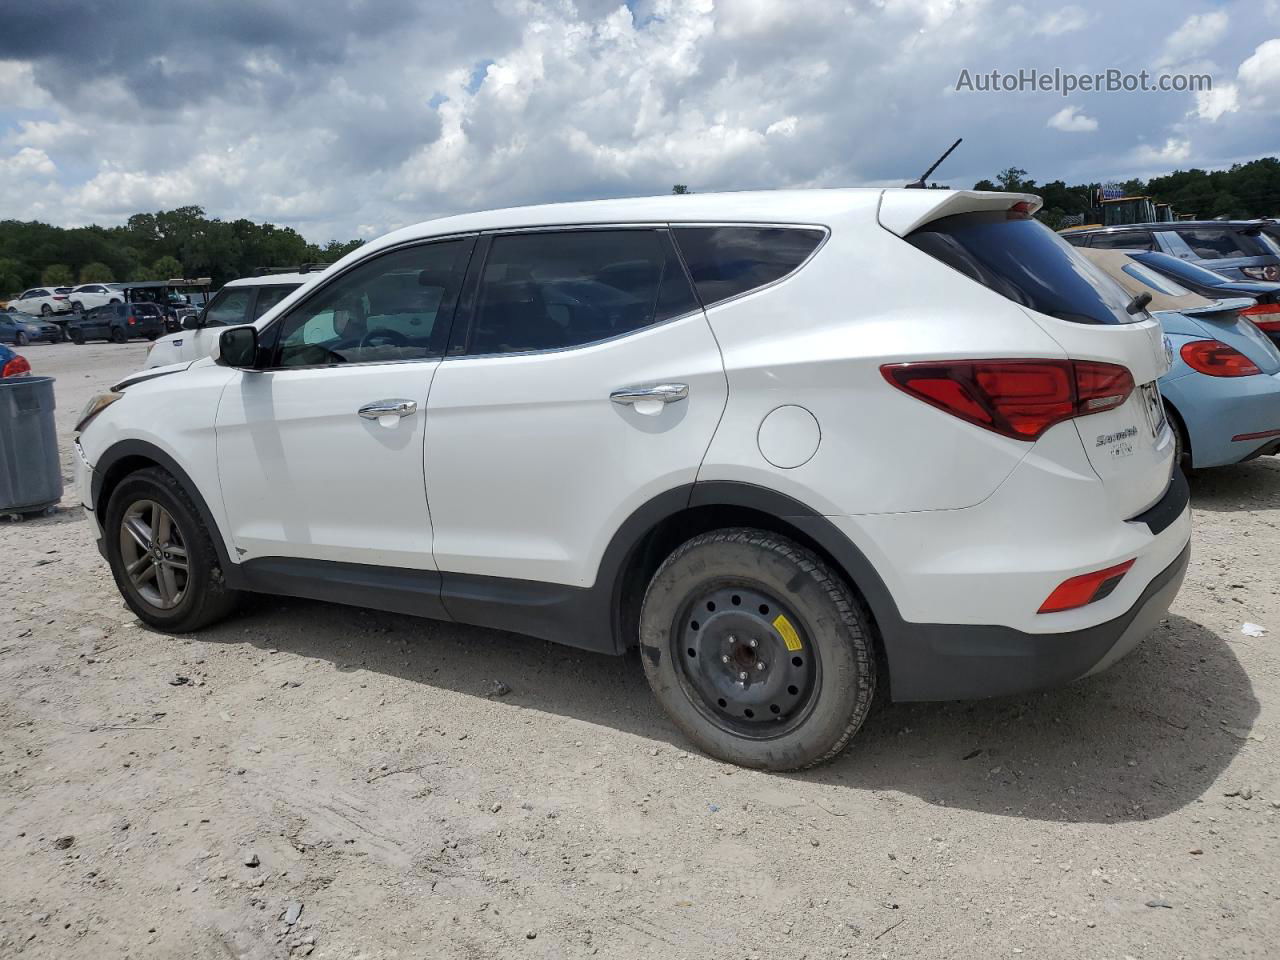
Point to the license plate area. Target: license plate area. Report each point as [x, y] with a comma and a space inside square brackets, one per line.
[1153, 406]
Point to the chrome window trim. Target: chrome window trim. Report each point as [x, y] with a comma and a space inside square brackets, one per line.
[328, 281]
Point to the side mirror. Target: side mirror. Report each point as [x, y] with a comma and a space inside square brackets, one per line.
[238, 347]
[191, 322]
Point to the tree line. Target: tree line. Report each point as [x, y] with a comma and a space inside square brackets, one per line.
[151, 246]
[1242, 192]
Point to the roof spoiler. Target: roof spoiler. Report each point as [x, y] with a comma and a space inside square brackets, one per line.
[902, 211]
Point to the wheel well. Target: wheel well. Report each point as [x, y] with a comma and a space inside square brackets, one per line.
[658, 544]
[114, 474]
[1180, 425]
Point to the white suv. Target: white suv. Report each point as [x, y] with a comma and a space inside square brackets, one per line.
[239, 301]
[792, 445]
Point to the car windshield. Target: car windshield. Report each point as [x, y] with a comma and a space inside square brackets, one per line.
[1223, 243]
[1026, 262]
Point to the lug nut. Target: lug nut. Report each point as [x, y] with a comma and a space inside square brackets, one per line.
[753, 643]
[742, 675]
[724, 658]
[732, 638]
[759, 665]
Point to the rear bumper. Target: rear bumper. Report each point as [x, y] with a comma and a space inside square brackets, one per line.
[962, 661]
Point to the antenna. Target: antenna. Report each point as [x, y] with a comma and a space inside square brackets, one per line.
[920, 184]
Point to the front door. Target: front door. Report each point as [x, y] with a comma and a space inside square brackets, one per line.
[320, 451]
[583, 381]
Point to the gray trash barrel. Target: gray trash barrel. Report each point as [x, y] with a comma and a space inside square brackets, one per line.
[30, 472]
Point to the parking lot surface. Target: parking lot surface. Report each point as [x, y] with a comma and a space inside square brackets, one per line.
[310, 779]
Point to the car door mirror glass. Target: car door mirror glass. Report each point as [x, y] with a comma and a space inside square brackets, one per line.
[191, 322]
[238, 347]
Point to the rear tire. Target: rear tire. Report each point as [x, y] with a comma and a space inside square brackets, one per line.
[77, 338]
[155, 588]
[1181, 443]
[45, 310]
[119, 336]
[758, 652]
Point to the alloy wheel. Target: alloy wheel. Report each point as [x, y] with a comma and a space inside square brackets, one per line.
[154, 554]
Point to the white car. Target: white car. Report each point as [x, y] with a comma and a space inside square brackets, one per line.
[43, 300]
[793, 445]
[239, 301]
[90, 295]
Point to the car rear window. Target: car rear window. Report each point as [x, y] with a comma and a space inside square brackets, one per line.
[727, 261]
[1026, 262]
[146, 309]
[1220, 243]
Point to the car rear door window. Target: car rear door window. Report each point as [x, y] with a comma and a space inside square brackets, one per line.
[1123, 240]
[726, 261]
[555, 290]
[1026, 262]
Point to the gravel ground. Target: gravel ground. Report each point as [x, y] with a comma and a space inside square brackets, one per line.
[355, 773]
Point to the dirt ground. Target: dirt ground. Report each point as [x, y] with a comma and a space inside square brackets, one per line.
[357, 767]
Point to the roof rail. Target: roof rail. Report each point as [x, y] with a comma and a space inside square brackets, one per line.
[300, 268]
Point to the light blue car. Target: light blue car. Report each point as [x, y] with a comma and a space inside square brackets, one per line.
[1222, 393]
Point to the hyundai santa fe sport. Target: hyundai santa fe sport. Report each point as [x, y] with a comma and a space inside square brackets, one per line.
[793, 446]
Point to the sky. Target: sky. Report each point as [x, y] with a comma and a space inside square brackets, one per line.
[348, 118]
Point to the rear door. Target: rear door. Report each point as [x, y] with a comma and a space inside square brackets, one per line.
[585, 382]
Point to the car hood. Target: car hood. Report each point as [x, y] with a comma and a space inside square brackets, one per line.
[151, 373]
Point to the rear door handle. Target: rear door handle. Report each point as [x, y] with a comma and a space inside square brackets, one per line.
[660, 392]
[388, 408]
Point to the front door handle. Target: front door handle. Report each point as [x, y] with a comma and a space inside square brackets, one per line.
[651, 392]
[388, 408]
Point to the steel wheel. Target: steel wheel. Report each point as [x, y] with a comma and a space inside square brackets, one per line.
[745, 661]
[154, 554]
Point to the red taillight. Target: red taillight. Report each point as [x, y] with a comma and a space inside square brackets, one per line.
[17, 367]
[1085, 589]
[1016, 398]
[132, 319]
[1019, 211]
[1216, 359]
[58, 296]
[1265, 316]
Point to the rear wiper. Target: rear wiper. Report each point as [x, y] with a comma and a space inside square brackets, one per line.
[1138, 303]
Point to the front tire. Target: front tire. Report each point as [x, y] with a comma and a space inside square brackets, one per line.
[758, 652]
[45, 310]
[19, 339]
[77, 338]
[162, 556]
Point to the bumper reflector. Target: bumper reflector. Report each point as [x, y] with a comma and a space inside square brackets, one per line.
[1085, 589]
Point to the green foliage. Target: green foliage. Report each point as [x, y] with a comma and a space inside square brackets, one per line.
[96, 272]
[165, 268]
[1244, 191]
[157, 245]
[680, 189]
[57, 275]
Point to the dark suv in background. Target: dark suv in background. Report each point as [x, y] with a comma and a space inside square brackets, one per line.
[118, 322]
[1239, 249]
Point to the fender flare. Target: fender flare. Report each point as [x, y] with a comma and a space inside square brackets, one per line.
[852, 562]
[123, 449]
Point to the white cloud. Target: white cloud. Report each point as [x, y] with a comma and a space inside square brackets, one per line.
[1213, 104]
[1071, 120]
[1066, 20]
[28, 162]
[1259, 76]
[1173, 151]
[1199, 33]
[18, 88]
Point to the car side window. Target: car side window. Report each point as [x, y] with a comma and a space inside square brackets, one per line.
[1210, 244]
[554, 290]
[229, 307]
[395, 306]
[268, 297]
[1123, 240]
[730, 260]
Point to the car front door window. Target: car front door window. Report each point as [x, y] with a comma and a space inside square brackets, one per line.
[397, 306]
